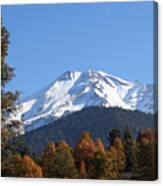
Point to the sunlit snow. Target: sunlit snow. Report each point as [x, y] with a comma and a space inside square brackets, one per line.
[75, 90]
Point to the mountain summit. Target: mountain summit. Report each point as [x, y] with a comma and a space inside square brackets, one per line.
[74, 90]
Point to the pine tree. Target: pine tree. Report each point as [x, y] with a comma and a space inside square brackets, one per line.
[9, 130]
[145, 161]
[48, 160]
[64, 164]
[112, 158]
[129, 150]
[7, 72]
[8, 98]
[11, 166]
[113, 154]
[112, 135]
[120, 152]
[100, 166]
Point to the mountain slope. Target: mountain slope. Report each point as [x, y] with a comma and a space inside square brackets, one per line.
[74, 90]
[97, 120]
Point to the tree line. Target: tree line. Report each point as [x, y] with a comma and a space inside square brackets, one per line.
[125, 158]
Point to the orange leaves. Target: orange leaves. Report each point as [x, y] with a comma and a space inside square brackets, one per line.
[89, 159]
[147, 136]
[23, 167]
[62, 144]
[118, 143]
[118, 155]
[48, 159]
[30, 168]
[50, 149]
[94, 161]
[58, 162]
[99, 145]
[85, 148]
[82, 169]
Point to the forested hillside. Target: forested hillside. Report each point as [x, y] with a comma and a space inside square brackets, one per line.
[97, 120]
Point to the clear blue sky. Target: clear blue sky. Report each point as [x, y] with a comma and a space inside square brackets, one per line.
[47, 40]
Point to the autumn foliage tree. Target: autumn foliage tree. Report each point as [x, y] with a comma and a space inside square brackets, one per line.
[82, 170]
[89, 159]
[84, 154]
[85, 149]
[94, 162]
[99, 146]
[29, 168]
[58, 162]
[22, 167]
[146, 155]
[118, 156]
[48, 160]
[101, 164]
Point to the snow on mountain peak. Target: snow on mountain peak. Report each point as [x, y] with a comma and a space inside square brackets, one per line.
[69, 75]
[74, 90]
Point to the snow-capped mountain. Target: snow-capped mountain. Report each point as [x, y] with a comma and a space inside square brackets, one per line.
[75, 90]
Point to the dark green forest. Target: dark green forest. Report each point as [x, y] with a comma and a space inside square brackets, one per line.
[97, 120]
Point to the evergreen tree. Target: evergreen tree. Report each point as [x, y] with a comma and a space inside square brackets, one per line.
[129, 150]
[121, 154]
[48, 160]
[112, 135]
[145, 161]
[11, 166]
[64, 165]
[100, 166]
[112, 158]
[113, 154]
[9, 130]
[8, 98]
[7, 72]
